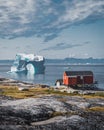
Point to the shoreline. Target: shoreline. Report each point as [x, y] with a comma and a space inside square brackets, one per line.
[23, 85]
[42, 107]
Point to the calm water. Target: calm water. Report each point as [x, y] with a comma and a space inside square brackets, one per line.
[53, 72]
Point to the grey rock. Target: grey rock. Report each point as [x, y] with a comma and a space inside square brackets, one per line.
[37, 113]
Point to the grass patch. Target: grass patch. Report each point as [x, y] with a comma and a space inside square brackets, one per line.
[58, 113]
[57, 92]
[101, 94]
[16, 93]
[13, 91]
[96, 95]
[99, 109]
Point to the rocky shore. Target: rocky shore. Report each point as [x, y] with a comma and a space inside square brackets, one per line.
[52, 112]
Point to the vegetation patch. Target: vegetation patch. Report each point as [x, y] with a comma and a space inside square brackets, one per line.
[58, 92]
[95, 95]
[13, 91]
[101, 94]
[97, 108]
[58, 113]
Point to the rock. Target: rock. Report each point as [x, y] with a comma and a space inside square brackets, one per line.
[76, 118]
[86, 92]
[51, 113]
[13, 127]
[84, 105]
[33, 109]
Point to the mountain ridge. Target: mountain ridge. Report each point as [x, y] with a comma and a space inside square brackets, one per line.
[76, 60]
[69, 60]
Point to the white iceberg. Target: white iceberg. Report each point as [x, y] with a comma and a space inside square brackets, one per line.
[30, 63]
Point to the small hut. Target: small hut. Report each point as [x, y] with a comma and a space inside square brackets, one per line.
[77, 77]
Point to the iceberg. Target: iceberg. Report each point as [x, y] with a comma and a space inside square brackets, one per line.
[28, 63]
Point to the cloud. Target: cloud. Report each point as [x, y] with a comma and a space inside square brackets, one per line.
[50, 37]
[4, 47]
[87, 42]
[17, 48]
[62, 46]
[45, 18]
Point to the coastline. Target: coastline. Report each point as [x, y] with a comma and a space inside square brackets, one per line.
[43, 107]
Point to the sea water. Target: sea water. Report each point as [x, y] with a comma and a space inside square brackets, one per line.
[52, 73]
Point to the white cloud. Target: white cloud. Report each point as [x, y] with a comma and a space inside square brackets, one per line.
[80, 10]
[42, 17]
[20, 30]
[18, 8]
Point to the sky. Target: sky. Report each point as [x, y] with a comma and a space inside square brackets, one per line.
[52, 28]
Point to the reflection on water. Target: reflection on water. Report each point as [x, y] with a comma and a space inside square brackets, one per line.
[28, 77]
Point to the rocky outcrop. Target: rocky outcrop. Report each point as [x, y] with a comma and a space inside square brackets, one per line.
[51, 113]
[20, 84]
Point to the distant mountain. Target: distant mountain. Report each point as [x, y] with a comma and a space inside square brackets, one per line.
[76, 61]
[65, 61]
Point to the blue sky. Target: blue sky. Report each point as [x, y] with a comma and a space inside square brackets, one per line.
[52, 28]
